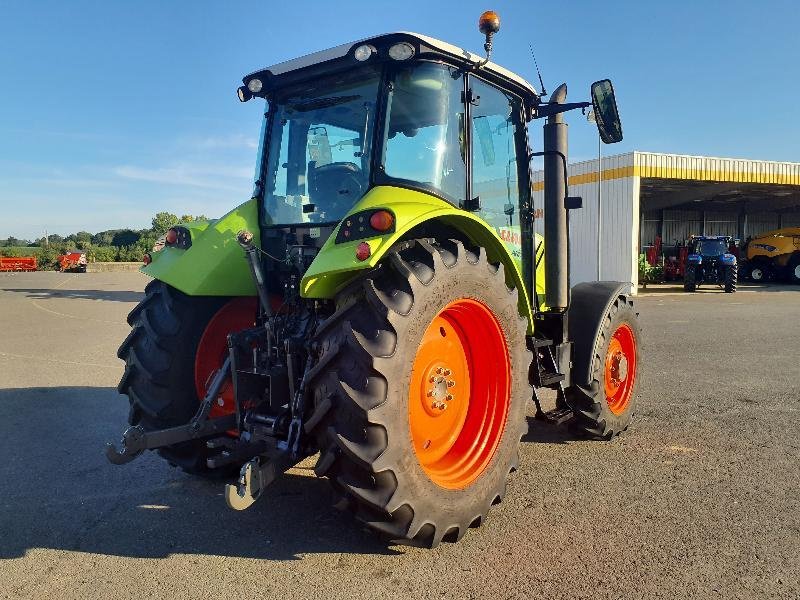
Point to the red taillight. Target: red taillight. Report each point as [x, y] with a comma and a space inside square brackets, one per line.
[171, 237]
[363, 251]
[381, 220]
[147, 259]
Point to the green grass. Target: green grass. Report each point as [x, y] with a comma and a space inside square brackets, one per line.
[15, 251]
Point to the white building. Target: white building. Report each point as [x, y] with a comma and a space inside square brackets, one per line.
[644, 195]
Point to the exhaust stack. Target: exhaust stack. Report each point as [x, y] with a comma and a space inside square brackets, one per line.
[556, 258]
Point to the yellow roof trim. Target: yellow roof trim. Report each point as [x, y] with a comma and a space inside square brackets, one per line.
[657, 172]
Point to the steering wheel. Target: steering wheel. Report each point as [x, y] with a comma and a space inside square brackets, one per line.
[335, 187]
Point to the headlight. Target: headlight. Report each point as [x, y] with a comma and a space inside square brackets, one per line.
[401, 51]
[255, 85]
[363, 53]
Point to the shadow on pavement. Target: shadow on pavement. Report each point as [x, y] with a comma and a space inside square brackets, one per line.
[114, 296]
[59, 492]
[541, 432]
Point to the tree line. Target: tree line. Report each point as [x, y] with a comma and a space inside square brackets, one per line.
[112, 245]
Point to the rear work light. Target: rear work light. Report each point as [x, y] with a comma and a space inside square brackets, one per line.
[171, 237]
[381, 220]
[147, 259]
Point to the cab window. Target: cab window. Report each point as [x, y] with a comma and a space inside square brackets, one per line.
[495, 181]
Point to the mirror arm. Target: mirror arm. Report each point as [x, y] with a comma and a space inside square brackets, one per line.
[548, 110]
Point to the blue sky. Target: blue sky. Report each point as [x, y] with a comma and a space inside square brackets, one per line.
[111, 111]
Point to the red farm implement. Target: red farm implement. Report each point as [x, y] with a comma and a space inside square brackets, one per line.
[18, 263]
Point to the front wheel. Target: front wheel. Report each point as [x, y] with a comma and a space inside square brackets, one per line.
[420, 392]
[757, 272]
[605, 408]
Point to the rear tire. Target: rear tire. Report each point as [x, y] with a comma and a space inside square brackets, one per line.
[731, 275]
[159, 379]
[689, 279]
[366, 399]
[605, 408]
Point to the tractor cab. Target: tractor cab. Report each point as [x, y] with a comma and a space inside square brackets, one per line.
[399, 115]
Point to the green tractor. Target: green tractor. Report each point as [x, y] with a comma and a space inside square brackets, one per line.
[380, 301]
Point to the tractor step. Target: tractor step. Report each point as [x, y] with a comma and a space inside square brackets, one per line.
[557, 416]
[540, 342]
[548, 378]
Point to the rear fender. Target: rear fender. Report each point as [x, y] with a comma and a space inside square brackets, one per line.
[589, 304]
[214, 265]
[336, 264]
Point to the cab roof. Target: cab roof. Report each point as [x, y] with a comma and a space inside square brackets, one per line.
[425, 47]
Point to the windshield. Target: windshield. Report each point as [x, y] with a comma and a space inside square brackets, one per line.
[711, 247]
[319, 156]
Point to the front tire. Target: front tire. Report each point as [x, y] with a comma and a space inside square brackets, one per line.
[605, 408]
[406, 467]
[757, 272]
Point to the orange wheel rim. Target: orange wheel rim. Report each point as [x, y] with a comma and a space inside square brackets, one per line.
[620, 369]
[460, 393]
[234, 316]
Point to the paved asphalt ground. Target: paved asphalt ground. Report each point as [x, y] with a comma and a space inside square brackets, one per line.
[699, 499]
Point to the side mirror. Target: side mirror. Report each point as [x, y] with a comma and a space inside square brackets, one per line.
[605, 110]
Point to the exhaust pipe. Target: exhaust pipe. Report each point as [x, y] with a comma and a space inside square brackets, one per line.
[556, 255]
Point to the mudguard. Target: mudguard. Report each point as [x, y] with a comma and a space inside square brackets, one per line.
[728, 259]
[588, 306]
[214, 265]
[336, 263]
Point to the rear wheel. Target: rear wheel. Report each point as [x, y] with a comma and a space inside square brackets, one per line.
[690, 279]
[176, 344]
[731, 275]
[420, 392]
[605, 408]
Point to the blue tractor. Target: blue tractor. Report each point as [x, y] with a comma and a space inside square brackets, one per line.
[710, 262]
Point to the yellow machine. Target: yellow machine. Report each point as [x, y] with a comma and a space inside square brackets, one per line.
[775, 253]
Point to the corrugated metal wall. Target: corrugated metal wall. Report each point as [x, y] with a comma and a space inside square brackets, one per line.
[649, 227]
[722, 223]
[620, 221]
[790, 220]
[758, 223]
[680, 224]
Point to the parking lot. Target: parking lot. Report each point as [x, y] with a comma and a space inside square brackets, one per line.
[699, 499]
